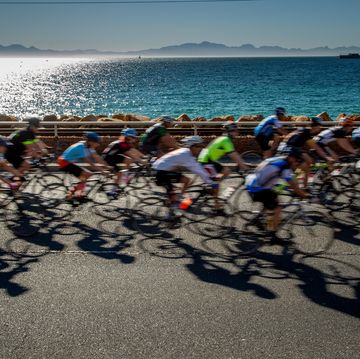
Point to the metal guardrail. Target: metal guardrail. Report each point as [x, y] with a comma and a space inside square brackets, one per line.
[58, 128]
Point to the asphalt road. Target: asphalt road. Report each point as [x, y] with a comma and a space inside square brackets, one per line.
[89, 286]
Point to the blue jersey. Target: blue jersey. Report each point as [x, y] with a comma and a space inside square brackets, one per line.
[356, 134]
[268, 174]
[266, 126]
[77, 152]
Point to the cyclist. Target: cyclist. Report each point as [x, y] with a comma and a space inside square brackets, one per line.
[7, 167]
[302, 138]
[25, 144]
[337, 135]
[122, 151]
[82, 151]
[209, 157]
[264, 132]
[260, 185]
[157, 140]
[170, 166]
[356, 137]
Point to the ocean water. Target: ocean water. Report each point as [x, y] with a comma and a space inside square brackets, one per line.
[199, 87]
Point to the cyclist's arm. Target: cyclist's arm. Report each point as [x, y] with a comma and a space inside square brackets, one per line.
[169, 142]
[134, 154]
[234, 156]
[99, 162]
[314, 146]
[345, 145]
[282, 131]
[195, 167]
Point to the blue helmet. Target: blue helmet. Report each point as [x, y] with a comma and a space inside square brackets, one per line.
[92, 136]
[129, 132]
[4, 142]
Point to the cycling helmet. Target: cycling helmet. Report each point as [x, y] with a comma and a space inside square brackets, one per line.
[33, 121]
[167, 119]
[192, 141]
[346, 122]
[293, 152]
[316, 121]
[129, 132]
[230, 126]
[280, 111]
[92, 136]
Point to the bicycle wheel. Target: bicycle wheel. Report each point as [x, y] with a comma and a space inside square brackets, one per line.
[206, 218]
[245, 206]
[139, 178]
[149, 217]
[53, 200]
[311, 232]
[102, 194]
[252, 157]
[331, 194]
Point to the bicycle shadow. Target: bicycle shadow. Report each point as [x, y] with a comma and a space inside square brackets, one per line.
[11, 265]
[105, 245]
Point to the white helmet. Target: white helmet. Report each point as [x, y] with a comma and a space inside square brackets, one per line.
[191, 141]
[168, 119]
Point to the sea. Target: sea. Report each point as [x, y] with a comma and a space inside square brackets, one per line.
[205, 87]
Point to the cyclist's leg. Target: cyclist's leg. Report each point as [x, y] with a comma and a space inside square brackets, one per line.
[82, 174]
[306, 166]
[263, 142]
[275, 141]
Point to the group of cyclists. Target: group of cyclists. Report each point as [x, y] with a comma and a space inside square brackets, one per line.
[298, 149]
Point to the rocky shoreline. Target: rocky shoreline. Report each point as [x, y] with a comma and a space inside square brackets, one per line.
[127, 117]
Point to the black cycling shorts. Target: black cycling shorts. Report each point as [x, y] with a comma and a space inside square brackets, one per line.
[263, 141]
[73, 169]
[167, 179]
[267, 197]
[114, 160]
[14, 159]
[356, 141]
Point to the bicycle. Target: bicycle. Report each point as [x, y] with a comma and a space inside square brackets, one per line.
[152, 216]
[310, 232]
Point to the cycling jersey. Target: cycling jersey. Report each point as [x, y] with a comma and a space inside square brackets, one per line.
[356, 134]
[266, 126]
[77, 152]
[153, 134]
[178, 160]
[218, 148]
[330, 135]
[297, 138]
[268, 173]
[356, 137]
[117, 148]
[20, 139]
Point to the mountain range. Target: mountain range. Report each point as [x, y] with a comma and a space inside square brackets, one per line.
[203, 49]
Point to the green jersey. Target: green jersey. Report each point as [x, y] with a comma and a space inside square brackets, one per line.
[216, 149]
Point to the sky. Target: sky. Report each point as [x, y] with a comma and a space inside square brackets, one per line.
[124, 27]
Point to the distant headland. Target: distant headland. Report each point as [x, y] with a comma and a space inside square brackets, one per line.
[203, 49]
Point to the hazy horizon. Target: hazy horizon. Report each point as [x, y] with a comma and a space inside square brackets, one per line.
[131, 27]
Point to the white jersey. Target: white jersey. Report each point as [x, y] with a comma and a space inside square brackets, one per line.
[178, 160]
